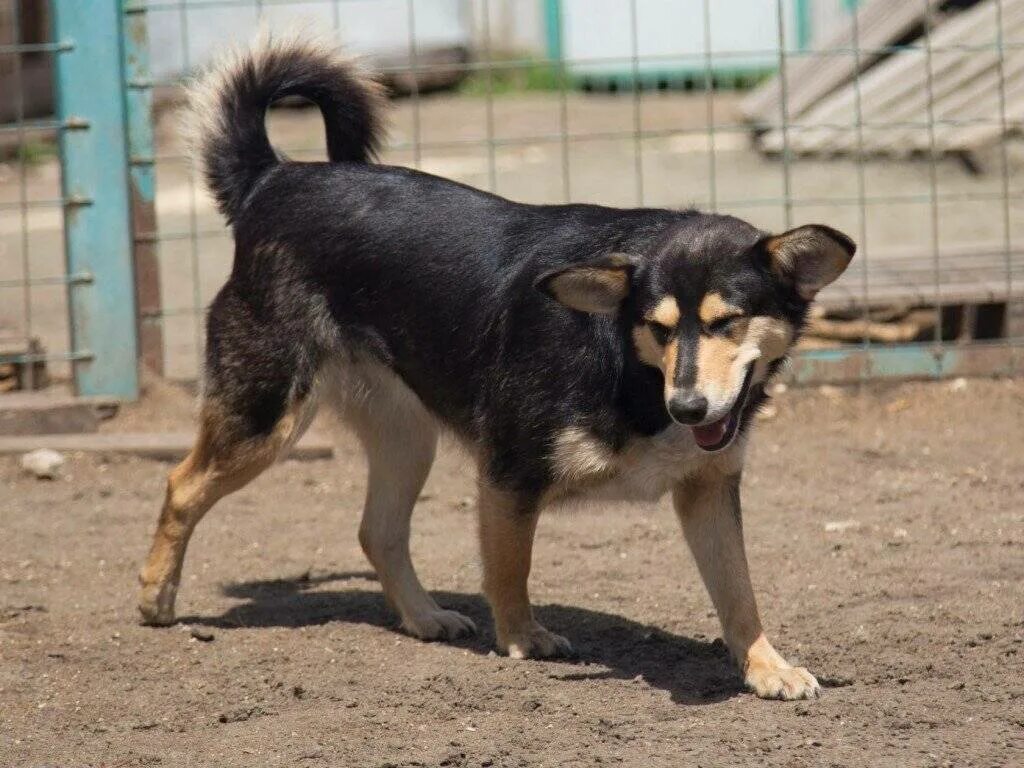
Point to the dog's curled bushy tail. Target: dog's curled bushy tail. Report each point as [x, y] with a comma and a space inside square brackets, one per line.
[228, 135]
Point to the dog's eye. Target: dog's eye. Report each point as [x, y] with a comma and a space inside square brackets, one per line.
[723, 326]
[661, 333]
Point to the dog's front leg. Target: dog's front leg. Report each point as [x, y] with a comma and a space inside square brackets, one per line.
[507, 526]
[709, 509]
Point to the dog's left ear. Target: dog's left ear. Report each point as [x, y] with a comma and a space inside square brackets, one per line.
[811, 257]
[597, 286]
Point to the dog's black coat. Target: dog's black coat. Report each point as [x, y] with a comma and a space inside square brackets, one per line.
[436, 280]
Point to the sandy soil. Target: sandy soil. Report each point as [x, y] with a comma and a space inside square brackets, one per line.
[911, 613]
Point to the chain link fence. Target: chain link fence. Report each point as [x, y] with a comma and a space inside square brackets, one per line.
[895, 122]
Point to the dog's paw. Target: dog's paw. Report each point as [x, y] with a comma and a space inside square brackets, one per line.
[782, 682]
[438, 625]
[536, 643]
[156, 604]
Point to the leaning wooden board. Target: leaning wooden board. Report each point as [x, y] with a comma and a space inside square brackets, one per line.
[969, 273]
[812, 76]
[911, 101]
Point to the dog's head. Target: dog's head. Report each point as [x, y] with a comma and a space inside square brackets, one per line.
[715, 307]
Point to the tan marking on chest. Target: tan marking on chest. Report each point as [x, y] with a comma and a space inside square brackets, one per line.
[578, 455]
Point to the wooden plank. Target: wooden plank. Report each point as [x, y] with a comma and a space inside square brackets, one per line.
[895, 90]
[810, 78]
[970, 272]
[967, 137]
[837, 298]
[955, 92]
[41, 413]
[163, 446]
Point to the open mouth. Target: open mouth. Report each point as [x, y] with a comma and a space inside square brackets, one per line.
[718, 434]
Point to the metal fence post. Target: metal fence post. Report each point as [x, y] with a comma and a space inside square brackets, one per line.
[138, 99]
[94, 176]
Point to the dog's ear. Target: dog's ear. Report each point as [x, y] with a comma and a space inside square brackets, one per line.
[810, 257]
[597, 286]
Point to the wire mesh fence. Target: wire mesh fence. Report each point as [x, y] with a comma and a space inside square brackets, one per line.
[895, 122]
[33, 278]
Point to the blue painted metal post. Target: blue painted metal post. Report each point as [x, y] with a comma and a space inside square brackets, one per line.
[94, 176]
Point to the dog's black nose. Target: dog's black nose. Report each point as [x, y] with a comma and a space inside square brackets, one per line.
[688, 407]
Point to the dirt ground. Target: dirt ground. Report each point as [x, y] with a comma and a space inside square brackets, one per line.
[885, 529]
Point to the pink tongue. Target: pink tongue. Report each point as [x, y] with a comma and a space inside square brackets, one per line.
[711, 434]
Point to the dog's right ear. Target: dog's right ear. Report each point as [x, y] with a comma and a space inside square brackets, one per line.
[597, 286]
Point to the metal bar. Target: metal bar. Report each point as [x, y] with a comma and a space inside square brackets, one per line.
[20, 48]
[74, 357]
[193, 217]
[933, 174]
[26, 270]
[49, 203]
[862, 216]
[492, 165]
[638, 146]
[709, 97]
[787, 155]
[139, 111]
[555, 26]
[28, 126]
[1004, 162]
[417, 128]
[76, 279]
[94, 166]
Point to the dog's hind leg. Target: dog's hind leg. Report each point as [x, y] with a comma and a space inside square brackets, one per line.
[400, 439]
[228, 453]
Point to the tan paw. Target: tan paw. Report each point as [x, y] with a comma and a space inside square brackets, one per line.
[782, 682]
[156, 604]
[535, 643]
[438, 624]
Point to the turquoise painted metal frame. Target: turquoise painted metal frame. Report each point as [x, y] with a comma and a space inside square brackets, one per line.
[853, 363]
[94, 176]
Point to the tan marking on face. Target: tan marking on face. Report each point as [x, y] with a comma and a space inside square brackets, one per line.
[715, 358]
[665, 312]
[668, 367]
[647, 347]
[771, 335]
[654, 354]
[713, 307]
[722, 361]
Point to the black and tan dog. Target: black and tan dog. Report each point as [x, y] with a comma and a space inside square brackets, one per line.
[571, 348]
